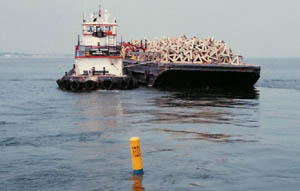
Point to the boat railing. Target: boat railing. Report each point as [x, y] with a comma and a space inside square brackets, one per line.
[98, 51]
[144, 56]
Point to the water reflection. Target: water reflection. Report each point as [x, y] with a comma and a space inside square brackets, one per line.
[213, 94]
[216, 106]
[99, 109]
[137, 183]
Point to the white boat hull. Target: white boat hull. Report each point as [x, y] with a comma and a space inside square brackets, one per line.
[112, 65]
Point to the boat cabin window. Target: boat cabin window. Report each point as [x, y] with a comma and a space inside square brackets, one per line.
[108, 28]
[91, 29]
[99, 29]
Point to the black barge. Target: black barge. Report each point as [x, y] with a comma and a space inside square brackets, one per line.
[156, 74]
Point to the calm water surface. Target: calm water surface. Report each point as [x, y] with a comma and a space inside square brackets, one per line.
[191, 140]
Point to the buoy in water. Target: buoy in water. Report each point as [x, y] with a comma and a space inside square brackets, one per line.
[136, 155]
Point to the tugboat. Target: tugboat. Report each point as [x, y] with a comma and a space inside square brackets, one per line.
[98, 60]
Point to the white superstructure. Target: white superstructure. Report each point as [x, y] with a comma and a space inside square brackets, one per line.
[98, 51]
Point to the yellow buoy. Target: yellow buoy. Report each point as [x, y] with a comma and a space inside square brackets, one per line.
[136, 155]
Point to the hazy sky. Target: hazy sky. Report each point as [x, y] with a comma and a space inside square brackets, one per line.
[253, 28]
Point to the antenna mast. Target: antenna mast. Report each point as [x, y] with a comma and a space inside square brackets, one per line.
[99, 13]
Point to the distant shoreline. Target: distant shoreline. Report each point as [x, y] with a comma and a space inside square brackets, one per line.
[13, 55]
[10, 55]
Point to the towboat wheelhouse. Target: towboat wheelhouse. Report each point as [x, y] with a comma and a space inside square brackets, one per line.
[98, 51]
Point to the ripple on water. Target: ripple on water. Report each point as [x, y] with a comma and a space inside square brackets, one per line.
[37, 179]
[50, 140]
[280, 83]
[214, 137]
[2, 123]
[31, 80]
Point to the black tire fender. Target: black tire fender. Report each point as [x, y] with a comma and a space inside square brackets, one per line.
[107, 84]
[135, 83]
[75, 86]
[124, 84]
[130, 83]
[66, 84]
[59, 83]
[90, 85]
